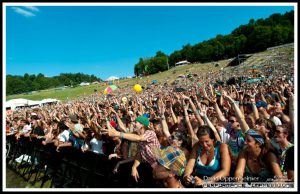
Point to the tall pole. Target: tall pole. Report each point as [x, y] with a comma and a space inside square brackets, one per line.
[168, 62]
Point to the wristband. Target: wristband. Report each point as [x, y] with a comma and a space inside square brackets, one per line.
[122, 135]
[205, 181]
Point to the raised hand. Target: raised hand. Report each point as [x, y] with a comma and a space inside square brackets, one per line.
[111, 131]
[185, 97]
[203, 110]
[162, 109]
[241, 96]
[204, 93]
[252, 98]
[112, 110]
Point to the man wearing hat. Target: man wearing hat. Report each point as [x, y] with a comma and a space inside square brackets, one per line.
[147, 143]
[167, 164]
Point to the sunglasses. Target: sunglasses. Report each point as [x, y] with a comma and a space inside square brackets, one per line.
[232, 121]
[173, 137]
[277, 131]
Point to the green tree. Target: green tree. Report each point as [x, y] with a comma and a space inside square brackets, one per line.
[260, 38]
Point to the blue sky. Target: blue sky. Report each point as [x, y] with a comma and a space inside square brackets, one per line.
[109, 40]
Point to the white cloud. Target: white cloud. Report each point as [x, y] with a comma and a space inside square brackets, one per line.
[23, 12]
[32, 8]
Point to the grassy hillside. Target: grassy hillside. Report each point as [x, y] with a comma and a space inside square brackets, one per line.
[275, 57]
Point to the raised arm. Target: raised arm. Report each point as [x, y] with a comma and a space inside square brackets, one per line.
[279, 93]
[112, 132]
[239, 115]
[164, 122]
[195, 110]
[203, 111]
[261, 93]
[220, 115]
[120, 122]
[172, 113]
[291, 111]
[189, 126]
[254, 108]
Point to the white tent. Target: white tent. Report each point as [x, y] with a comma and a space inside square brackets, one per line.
[111, 78]
[181, 76]
[20, 102]
[48, 100]
[182, 63]
[84, 84]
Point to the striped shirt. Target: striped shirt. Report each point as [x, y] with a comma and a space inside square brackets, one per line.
[148, 149]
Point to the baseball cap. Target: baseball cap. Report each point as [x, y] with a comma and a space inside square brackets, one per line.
[261, 104]
[73, 118]
[143, 120]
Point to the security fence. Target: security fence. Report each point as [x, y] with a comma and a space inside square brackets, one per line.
[70, 167]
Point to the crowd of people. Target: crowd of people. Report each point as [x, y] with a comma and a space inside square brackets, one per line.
[205, 133]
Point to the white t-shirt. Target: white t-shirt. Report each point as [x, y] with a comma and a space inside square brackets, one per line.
[64, 136]
[276, 120]
[78, 127]
[96, 146]
[224, 136]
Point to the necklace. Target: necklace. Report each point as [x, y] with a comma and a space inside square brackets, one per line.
[208, 151]
[253, 157]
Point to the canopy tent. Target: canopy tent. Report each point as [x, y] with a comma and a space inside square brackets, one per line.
[182, 63]
[20, 102]
[48, 100]
[250, 81]
[111, 78]
[84, 84]
[181, 76]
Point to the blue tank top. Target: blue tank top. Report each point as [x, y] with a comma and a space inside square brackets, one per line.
[214, 166]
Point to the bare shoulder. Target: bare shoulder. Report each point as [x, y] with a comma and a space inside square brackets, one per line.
[271, 157]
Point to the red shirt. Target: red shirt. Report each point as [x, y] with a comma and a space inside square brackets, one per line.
[149, 149]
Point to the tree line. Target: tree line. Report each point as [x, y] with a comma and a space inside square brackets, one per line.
[255, 36]
[21, 84]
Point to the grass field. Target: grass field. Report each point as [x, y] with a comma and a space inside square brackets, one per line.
[166, 76]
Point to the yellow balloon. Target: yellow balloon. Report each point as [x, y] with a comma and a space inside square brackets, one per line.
[137, 88]
[105, 91]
